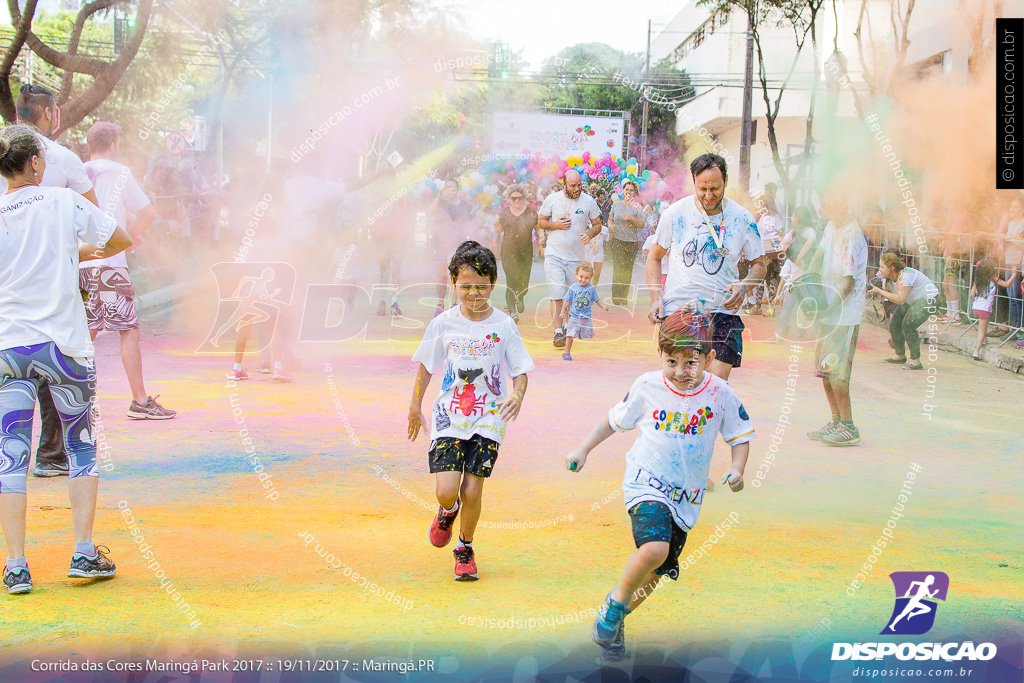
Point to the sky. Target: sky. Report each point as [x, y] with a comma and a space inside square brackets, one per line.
[541, 28]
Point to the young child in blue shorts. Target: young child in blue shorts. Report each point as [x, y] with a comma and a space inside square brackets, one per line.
[679, 411]
[576, 308]
[473, 344]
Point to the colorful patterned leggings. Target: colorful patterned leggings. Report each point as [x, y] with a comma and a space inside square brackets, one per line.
[23, 370]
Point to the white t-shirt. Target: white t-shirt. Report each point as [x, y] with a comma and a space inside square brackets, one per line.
[594, 251]
[648, 243]
[920, 286]
[63, 169]
[39, 297]
[307, 198]
[565, 244]
[118, 193]
[472, 382]
[769, 226]
[985, 301]
[696, 272]
[1013, 250]
[845, 255]
[670, 459]
[790, 271]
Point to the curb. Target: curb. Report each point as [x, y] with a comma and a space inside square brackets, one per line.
[952, 339]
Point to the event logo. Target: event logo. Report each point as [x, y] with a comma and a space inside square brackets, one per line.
[258, 291]
[916, 596]
[912, 615]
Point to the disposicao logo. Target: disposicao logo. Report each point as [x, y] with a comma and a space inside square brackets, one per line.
[913, 614]
[916, 595]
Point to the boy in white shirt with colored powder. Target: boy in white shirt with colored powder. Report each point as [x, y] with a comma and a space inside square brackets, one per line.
[679, 410]
[473, 343]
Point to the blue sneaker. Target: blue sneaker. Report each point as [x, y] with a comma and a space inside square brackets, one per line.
[618, 649]
[605, 630]
[17, 580]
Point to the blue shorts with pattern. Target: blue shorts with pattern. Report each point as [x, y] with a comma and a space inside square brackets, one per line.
[23, 369]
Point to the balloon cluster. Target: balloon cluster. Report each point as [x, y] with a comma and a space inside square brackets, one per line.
[485, 185]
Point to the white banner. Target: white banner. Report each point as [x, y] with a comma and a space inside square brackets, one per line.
[561, 134]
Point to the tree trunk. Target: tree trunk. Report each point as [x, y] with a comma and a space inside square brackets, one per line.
[22, 24]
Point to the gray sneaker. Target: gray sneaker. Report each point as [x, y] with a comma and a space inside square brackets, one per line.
[50, 469]
[559, 340]
[818, 434]
[85, 567]
[150, 410]
[17, 580]
[843, 435]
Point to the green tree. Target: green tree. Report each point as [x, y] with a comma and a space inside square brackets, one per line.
[597, 76]
[105, 73]
[800, 18]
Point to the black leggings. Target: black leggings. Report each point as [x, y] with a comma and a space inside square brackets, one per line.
[624, 256]
[517, 269]
[903, 326]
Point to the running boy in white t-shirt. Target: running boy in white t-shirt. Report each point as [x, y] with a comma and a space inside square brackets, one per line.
[679, 410]
[474, 341]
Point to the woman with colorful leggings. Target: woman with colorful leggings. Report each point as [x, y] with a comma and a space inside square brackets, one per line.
[44, 339]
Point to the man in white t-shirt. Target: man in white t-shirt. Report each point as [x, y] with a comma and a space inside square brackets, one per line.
[111, 302]
[573, 219]
[37, 107]
[844, 277]
[706, 236]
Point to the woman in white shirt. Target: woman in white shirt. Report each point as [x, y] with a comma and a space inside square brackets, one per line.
[44, 338]
[915, 299]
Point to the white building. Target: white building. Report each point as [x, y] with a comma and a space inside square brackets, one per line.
[712, 50]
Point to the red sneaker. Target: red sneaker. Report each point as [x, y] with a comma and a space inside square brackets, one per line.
[465, 565]
[441, 527]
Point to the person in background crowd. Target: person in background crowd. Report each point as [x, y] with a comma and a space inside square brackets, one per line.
[604, 203]
[452, 224]
[517, 223]
[627, 218]
[984, 293]
[955, 253]
[770, 226]
[44, 342]
[915, 300]
[844, 275]
[1013, 257]
[573, 219]
[37, 108]
[111, 302]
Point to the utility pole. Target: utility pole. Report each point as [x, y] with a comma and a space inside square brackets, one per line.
[643, 94]
[748, 91]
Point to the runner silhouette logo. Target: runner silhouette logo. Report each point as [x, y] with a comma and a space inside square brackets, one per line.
[917, 596]
[251, 297]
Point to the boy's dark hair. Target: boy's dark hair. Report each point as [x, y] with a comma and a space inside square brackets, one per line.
[475, 257]
[32, 100]
[685, 330]
[705, 162]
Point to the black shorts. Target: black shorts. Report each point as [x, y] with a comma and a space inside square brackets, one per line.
[475, 455]
[653, 522]
[727, 338]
